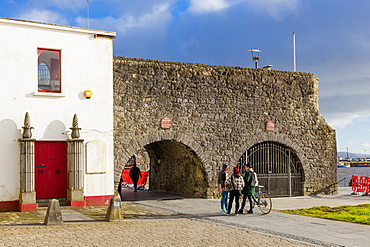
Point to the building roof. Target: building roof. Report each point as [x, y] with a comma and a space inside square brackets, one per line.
[57, 27]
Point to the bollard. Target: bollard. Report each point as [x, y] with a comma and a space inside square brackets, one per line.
[114, 212]
[53, 215]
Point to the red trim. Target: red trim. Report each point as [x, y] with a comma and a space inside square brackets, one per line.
[98, 200]
[58, 54]
[41, 50]
[77, 204]
[27, 207]
[8, 206]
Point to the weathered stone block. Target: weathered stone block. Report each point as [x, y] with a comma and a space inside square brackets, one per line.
[54, 214]
[114, 211]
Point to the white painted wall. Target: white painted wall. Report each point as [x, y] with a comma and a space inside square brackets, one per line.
[86, 63]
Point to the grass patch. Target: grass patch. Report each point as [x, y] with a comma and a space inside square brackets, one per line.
[355, 214]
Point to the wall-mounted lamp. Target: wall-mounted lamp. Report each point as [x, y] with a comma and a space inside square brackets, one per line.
[88, 94]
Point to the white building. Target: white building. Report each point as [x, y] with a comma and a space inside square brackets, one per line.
[47, 72]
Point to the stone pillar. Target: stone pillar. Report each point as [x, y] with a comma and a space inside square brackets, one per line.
[27, 199]
[54, 214]
[114, 212]
[76, 196]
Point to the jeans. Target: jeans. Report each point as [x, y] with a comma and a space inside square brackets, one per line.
[224, 200]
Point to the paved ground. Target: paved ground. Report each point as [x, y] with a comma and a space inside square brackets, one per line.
[159, 219]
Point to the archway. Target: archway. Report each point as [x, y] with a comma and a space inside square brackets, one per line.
[278, 168]
[176, 168]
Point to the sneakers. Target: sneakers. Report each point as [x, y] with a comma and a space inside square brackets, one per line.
[250, 212]
[223, 211]
[240, 211]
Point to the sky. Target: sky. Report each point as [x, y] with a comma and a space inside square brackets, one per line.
[332, 41]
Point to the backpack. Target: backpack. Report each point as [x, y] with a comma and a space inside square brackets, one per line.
[254, 182]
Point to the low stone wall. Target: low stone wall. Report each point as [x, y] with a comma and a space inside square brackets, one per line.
[218, 112]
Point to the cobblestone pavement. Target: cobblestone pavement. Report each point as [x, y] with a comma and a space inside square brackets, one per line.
[169, 232]
[130, 211]
[142, 226]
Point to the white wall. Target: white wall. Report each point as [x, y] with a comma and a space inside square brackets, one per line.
[86, 63]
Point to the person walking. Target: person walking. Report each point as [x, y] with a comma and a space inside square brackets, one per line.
[235, 185]
[222, 177]
[248, 190]
[135, 174]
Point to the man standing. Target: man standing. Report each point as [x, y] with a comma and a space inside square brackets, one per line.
[248, 190]
[222, 176]
[135, 174]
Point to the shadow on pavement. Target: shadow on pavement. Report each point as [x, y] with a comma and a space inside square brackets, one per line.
[128, 194]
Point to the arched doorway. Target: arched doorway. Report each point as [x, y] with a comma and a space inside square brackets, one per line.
[176, 168]
[278, 168]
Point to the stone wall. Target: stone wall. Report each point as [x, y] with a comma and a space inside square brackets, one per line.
[218, 113]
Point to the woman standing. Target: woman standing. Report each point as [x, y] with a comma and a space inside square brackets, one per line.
[222, 177]
[235, 185]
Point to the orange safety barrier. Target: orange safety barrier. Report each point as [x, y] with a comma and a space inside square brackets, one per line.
[141, 182]
[360, 184]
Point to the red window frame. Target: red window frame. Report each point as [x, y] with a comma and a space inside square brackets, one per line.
[51, 81]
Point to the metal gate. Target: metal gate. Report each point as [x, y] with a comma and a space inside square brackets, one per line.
[278, 168]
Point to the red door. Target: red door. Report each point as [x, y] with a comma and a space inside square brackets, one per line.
[51, 169]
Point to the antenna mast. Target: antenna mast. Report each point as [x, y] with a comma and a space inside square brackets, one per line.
[88, 13]
[294, 55]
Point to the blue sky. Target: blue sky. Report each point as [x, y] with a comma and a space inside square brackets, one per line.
[332, 41]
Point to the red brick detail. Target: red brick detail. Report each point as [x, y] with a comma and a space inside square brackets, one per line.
[98, 200]
[77, 204]
[27, 207]
[8, 206]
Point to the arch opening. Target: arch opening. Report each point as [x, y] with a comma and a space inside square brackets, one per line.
[176, 168]
[278, 168]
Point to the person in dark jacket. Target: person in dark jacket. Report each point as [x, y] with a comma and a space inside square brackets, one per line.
[222, 177]
[119, 189]
[235, 184]
[135, 174]
[248, 190]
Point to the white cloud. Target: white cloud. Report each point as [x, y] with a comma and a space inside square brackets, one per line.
[45, 16]
[204, 6]
[63, 4]
[341, 120]
[156, 19]
[275, 8]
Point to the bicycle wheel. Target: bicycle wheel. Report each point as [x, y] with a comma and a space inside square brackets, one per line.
[265, 203]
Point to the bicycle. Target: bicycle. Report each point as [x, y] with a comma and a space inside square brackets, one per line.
[262, 200]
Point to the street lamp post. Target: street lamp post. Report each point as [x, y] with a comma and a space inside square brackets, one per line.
[255, 56]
